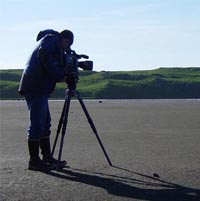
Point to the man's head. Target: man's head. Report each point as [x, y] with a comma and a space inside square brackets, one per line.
[67, 39]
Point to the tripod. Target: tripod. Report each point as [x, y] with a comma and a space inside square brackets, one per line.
[63, 125]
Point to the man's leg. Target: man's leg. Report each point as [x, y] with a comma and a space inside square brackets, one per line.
[37, 108]
[46, 152]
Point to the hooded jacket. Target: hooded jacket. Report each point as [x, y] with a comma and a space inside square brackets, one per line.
[43, 68]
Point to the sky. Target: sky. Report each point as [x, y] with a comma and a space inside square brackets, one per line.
[118, 35]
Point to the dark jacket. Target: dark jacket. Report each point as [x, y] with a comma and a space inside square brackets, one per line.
[43, 68]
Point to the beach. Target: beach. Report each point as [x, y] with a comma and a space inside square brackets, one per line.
[152, 144]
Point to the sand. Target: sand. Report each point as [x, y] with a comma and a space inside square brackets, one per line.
[154, 146]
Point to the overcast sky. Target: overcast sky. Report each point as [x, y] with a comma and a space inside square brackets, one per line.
[116, 34]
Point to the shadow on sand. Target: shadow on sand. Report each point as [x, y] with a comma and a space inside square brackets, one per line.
[153, 189]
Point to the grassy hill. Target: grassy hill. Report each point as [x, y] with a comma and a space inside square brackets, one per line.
[158, 83]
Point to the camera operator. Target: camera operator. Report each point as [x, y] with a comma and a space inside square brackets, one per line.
[44, 68]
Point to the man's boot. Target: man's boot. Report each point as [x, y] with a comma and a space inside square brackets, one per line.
[35, 163]
[46, 152]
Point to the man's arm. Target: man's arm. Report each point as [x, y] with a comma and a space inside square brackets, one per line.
[48, 55]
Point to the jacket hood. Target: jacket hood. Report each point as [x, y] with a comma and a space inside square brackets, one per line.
[45, 32]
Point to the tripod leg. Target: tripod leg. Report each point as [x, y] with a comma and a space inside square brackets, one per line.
[93, 127]
[59, 127]
[65, 120]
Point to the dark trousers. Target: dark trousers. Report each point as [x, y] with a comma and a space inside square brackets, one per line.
[40, 119]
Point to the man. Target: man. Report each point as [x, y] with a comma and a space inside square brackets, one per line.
[44, 68]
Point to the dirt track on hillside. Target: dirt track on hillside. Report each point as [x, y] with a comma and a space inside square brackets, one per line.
[153, 145]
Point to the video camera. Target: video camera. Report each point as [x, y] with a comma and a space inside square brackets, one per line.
[72, 64]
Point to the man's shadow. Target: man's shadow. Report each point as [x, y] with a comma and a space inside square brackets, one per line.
[153, 189]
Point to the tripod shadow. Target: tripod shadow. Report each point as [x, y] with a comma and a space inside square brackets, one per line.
[152, 189]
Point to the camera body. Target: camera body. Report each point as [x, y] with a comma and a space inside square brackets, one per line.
[71, 65]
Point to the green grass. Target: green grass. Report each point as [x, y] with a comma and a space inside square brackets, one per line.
[158, 83]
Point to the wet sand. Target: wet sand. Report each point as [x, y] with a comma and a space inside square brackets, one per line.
[154, 146]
